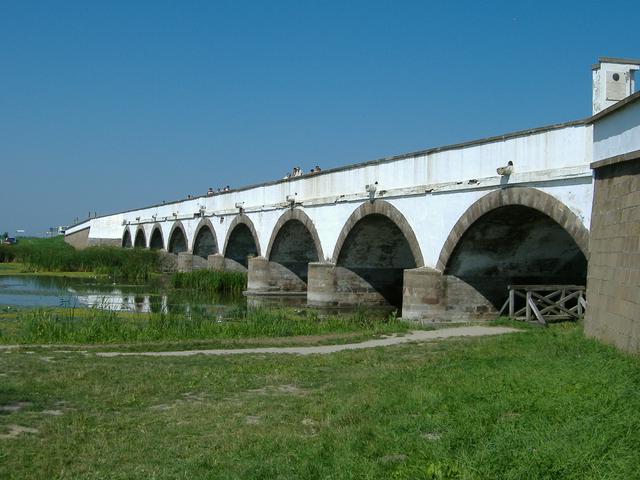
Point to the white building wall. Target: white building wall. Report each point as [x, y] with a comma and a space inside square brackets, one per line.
[617, 133]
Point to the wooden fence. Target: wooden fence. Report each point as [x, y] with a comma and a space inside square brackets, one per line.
[545, 302]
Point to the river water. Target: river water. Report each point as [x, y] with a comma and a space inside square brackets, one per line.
[42, 291]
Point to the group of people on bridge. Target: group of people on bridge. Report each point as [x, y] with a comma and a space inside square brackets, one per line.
[297, 172]
[211, 191]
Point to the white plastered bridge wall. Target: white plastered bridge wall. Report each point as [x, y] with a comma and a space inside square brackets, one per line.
[432, 189]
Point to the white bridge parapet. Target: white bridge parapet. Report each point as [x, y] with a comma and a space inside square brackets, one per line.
[432, 189]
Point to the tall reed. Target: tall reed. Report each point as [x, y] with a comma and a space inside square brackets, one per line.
[103, 326]
[210, 281]
[7, 253]
[54, 255]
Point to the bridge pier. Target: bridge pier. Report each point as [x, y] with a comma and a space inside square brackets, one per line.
[321, 287]
[265, 277]
[216, 262]
[430, 296]
[185, 262]
[220, 262]
[269, 284]
[423, 294]
[334, 286]
[188, 262]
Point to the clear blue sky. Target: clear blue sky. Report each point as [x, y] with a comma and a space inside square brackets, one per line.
[106, 106]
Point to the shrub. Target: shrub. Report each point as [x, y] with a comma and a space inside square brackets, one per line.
[7, 253]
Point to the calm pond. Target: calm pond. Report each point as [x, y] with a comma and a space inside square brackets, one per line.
[41, 291]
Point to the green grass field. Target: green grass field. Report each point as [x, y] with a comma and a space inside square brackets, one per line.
[542, 404]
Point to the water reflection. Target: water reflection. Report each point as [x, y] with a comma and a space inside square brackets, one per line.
[123, 302]
[27, 291]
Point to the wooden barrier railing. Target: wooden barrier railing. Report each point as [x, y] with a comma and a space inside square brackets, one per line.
[545, 302]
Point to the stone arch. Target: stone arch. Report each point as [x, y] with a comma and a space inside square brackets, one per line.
[524, 196]
[294, 243]
[177, 239]
[517, 236]
[140, 240]
[126, 239]
[380, 207]
[205, 244]
[241, 240]
[302, 217]
[156, 239]
[375, 247]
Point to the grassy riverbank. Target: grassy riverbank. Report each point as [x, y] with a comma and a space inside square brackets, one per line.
[543, 404]
[54, 257]
[92, 326]
[19, 269]
[39, 255]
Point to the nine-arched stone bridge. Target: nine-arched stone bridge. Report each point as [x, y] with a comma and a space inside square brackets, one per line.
[437, 233]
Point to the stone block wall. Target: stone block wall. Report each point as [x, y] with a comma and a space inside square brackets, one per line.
[105, 242]
[464, 302]
[331, 285]
[270, 277]
[79, 239]
[429, 296]
[613, 282]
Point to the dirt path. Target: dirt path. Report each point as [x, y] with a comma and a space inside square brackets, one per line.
[416, 336]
